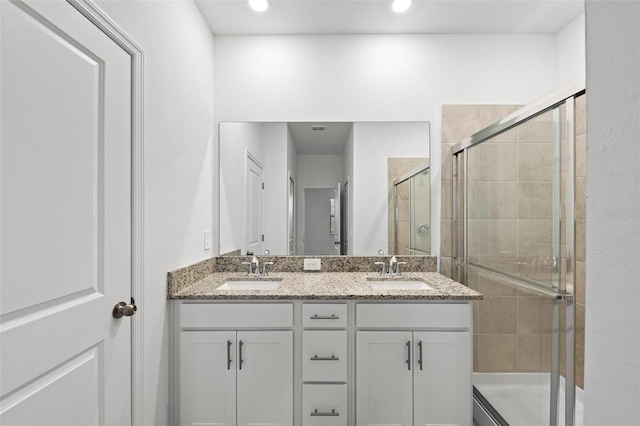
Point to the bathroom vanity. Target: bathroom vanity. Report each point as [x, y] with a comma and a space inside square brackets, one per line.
[323, 348]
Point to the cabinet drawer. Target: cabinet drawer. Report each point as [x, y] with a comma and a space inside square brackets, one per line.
[236, 315]
[332, 315]
[413, 315]
[324, 356]
[324, 405]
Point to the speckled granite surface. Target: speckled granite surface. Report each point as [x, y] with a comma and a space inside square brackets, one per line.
[328, 263]
[326, 285]
[180, 278]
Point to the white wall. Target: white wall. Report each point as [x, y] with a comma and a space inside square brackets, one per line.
[178, 165]
[378, 78]
[373, 144]
[612, 347]
[276, 188]
[237, 139]
[570, 51]
[316, 171]
[292, 167]
[347, 154]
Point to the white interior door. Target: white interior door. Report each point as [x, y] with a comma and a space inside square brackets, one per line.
[65, 219]
[254, 206]
[318, 235]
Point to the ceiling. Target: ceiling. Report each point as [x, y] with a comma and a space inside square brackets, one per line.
[299, 17]
[331, 140]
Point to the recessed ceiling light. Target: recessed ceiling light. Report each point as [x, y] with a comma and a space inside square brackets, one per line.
[400, 6]
[259, 5]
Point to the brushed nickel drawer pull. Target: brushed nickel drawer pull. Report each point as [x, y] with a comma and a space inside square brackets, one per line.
[332, 413]
[324, 317]
[324, 358]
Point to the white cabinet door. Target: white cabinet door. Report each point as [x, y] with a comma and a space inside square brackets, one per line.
[265, 378]
[208, 378]
[384, 372]
[442, 378]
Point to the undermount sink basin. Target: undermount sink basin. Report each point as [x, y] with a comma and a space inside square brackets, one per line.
[399, 285]
[249, 285]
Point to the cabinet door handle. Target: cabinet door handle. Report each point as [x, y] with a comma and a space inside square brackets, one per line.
[240, 360]
[324, 317]
[409, 355]
[324, 358]
[228, 354]
[420, 352]
[332, 413]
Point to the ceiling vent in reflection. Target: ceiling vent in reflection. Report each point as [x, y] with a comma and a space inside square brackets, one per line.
[318, 127]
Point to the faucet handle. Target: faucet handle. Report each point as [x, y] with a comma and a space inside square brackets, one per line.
[398, 267]
[249, 264]
[264, 268]
[383, 269]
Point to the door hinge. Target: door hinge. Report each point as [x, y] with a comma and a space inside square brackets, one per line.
[262, 185]
[262, 237]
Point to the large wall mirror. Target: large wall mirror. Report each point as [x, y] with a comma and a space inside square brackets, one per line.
[324, 188]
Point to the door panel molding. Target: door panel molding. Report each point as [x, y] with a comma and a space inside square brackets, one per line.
[94, 14]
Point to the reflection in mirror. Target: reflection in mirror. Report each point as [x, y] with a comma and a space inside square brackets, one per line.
[316, 188]
[409, 199]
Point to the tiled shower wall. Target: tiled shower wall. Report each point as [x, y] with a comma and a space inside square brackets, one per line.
[509, 213]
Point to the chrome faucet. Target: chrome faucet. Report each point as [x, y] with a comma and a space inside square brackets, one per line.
[394, 267]
[254, 267]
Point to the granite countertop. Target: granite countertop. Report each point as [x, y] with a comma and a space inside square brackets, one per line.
[326, 285]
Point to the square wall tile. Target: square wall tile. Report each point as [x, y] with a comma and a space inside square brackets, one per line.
[534, 353]
[535, 161]
[534, 200]
[497, 353]
[581, 240]
[579, 284]
[460, 122]
[537, 129]
[498, 315]
[494, 200]
[534, 315]
[493, 162]
[579, 324]
[491, 114]
[534, 238]
[581, 115]
[497, 238]
[493, 287]
[581, 155]
[447, 200]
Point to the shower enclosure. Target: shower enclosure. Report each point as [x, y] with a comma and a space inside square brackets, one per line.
[517, 207]
[411, 194]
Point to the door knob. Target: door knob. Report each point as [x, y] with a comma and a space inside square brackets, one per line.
[124, 310]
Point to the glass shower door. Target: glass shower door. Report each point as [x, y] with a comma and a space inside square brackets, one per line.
[514, 196]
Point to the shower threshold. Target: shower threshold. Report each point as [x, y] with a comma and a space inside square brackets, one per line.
[521, 399]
